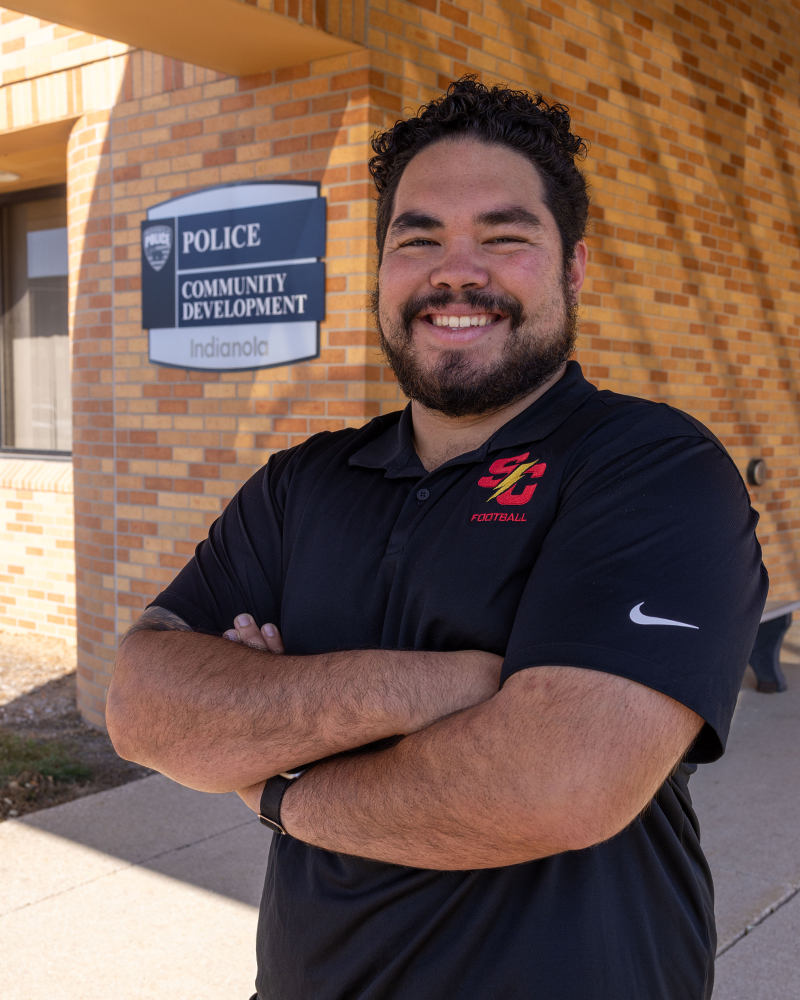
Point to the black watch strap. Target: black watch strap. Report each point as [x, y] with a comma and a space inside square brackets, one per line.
[269, 809]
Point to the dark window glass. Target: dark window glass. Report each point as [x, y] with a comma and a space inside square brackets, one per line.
[36, 392]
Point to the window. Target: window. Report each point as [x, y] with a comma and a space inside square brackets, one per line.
[35, 391]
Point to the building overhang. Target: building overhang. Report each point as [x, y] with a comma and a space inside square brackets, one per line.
[38, 155]
[230, 36]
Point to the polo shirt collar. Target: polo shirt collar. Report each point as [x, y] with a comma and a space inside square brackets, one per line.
[393, 450]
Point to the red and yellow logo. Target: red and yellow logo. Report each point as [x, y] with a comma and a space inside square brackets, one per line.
[506, 474]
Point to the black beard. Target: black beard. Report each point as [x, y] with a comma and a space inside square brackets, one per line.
[454, 386]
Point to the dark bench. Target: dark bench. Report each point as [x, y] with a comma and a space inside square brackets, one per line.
[765, 658]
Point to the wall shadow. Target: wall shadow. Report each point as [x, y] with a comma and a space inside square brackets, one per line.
[718, 344]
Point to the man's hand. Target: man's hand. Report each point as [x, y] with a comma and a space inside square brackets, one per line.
[245, 630]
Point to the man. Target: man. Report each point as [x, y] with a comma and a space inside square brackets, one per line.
[513, 828]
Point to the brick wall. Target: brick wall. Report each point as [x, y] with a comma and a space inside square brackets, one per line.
[344, 18]
[693, 291]
[37, 565]
[159, 451]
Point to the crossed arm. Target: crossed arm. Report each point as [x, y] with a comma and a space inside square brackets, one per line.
[558, 759]
[219, 715]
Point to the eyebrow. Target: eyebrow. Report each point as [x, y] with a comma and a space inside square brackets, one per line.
[516, 214]
[415, 220]
[508, 216]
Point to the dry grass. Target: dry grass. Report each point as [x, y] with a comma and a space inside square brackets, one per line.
[48, 754]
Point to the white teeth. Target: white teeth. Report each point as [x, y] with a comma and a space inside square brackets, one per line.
[461, 321]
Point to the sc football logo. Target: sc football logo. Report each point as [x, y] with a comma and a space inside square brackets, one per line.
[509, 479]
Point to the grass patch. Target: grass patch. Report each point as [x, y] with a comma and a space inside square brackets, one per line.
[20, 756]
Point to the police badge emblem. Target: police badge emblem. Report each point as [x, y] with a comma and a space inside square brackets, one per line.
[157, 245]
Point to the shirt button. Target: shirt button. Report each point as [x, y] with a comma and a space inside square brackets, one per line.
[423, 494]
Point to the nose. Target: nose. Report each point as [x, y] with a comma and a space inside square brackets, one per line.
[459, 270]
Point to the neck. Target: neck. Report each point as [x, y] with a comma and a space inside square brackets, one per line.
[438, 438]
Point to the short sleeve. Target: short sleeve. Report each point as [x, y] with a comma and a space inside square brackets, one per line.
[238, 568]
[650, 571]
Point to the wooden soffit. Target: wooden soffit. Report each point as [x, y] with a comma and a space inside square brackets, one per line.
[230, 36]
[38, 154]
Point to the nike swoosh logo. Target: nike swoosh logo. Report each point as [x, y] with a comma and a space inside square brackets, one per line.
[640, 619]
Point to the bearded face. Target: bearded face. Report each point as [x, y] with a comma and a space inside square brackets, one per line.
[476, 307]
[459, 384]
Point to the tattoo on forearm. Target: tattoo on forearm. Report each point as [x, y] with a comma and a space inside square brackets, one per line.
[156, 620]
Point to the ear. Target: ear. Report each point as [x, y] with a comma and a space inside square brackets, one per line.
[576, 272]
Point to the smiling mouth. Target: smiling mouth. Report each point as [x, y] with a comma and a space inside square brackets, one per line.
[458, 322]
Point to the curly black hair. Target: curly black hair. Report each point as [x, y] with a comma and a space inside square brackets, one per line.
[496, 116]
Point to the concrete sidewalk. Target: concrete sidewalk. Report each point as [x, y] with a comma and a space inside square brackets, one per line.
[144, 892]
[150, 890]
[749, 809]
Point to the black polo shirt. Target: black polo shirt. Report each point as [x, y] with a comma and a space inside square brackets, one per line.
[592, 530]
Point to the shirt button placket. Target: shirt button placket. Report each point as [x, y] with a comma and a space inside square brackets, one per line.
[408, 519]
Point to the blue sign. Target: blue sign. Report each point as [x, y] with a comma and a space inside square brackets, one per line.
[231, 276]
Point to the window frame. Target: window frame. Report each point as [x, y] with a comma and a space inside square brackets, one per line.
[7, 199]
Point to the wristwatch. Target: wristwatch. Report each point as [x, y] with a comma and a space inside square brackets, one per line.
[269, 809]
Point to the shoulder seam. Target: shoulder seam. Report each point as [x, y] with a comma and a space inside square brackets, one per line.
[698, 430]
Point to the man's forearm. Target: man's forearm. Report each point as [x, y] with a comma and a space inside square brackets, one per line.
[218, 715]
[559, 760]
[420, 803]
